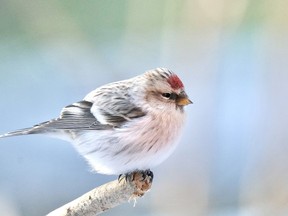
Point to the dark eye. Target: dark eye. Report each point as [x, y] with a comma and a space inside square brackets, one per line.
[166, 95]
[171, 96]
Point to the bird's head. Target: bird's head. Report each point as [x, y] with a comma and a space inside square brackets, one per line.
[165, 89]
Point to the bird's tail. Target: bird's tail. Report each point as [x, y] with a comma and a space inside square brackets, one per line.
[24, 131]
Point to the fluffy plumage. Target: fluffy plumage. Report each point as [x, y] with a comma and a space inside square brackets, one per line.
[123, 126]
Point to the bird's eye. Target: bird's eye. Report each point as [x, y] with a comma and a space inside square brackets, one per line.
[166, 95]
[171, 96]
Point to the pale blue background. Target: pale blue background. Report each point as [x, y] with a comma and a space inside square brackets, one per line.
[232, 57]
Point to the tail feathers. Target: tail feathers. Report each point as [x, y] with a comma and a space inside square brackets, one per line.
[20, 132]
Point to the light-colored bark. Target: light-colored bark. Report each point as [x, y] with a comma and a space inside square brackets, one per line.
[107, 196]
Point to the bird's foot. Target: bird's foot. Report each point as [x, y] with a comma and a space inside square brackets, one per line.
[137, 175]
[141, 179]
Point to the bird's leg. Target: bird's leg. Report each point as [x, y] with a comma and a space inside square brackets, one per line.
[132, 175]
[141, 180]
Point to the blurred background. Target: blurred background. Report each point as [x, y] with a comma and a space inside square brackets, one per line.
[232, 56]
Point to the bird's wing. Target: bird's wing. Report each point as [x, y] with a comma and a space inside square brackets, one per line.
[117, 117]
[86, 115]
[94, 112]
[75, 116]
[117, 111]
[113, 104]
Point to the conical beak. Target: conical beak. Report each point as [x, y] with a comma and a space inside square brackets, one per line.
[183, 99]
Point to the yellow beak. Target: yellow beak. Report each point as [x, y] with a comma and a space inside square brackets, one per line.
[183, 100]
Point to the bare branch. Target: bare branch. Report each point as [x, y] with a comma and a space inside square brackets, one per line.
[107, 196]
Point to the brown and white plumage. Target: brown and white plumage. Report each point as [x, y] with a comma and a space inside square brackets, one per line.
[123, 126]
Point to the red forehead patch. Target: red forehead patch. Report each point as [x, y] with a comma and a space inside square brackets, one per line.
[175, 82]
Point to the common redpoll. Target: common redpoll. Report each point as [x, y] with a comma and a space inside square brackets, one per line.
[123, 126]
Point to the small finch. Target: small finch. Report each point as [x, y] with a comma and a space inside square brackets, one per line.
[123, 126]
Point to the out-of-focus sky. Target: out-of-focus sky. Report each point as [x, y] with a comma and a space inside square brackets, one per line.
[233, 58]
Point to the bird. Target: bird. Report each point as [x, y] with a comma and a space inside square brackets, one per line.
[123, 126]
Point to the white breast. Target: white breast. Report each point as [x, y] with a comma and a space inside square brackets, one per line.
[140, 144]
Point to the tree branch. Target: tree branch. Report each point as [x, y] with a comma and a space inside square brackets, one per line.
[107, 196]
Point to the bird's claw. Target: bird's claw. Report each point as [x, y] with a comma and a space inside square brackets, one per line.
[141, 179]
[143, 174]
